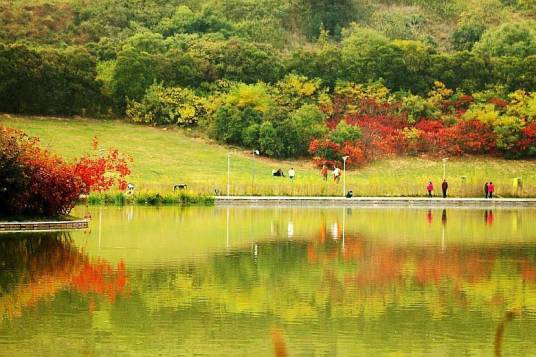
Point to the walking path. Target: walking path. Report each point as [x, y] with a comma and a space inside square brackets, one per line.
[373, 201]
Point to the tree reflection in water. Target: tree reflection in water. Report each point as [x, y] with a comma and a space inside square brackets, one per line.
[37, 266]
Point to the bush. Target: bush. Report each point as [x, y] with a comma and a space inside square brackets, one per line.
[345, 133]
[35, 182]
[171, 105]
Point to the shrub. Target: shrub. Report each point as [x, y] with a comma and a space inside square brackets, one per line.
[269, 140]
[35, 182]
[345, 132]
[308, 122]
[171, 105]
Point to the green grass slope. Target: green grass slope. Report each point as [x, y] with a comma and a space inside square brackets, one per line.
[164, 157]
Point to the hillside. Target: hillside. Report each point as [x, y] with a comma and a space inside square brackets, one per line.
[164, 157]
[313, 79]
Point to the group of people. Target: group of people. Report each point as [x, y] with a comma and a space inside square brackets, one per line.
[444, 188]
[336, 173]
[489, 188]
[280, 173]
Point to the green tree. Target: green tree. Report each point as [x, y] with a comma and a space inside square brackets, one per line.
[466, 35]
[134, 72]
[369, 56]
[510, 39]
[309, 123]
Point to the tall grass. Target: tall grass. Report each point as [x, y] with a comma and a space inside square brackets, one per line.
[371, 186]
[149, 198]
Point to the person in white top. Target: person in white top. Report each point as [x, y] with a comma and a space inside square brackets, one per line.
[336, 174]
[291, 173]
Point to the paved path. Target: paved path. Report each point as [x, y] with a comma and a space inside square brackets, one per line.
[373, 201]
[42, 226]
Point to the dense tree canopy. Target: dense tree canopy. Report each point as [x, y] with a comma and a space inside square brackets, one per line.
[288, 77]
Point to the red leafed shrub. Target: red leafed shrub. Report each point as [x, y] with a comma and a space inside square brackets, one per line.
[474, 136]
[460, 103]
[356, 154]
[498, 102]
[470, 137]
[325, 151]
[99, 173]
[465, 137]
[527, 143]
[52, 187]
[428, 125]
[34, 181]
[330, 153]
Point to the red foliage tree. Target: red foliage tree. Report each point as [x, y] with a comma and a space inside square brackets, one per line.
[99, 173]
[527, 144]
[34, 181]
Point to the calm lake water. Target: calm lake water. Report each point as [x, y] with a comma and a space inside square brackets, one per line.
[270, 281]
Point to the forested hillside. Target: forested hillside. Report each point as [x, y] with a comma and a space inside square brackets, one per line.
[292, 77]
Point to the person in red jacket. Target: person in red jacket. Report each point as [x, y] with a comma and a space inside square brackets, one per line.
[491, 189]
[430, 188]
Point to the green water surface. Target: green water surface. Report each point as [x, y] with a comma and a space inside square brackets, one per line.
[242, 281]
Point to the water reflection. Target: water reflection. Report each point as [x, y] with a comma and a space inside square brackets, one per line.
[274, 282]
[38, 266]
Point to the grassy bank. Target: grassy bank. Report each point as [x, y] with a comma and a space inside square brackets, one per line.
[164, 157]
[148, 198]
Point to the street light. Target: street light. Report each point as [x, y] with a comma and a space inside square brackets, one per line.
[344, 158]
[228, 174]
[253, 169]
[445, 167]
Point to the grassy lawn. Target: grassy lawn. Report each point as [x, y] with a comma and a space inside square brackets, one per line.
[163, 157]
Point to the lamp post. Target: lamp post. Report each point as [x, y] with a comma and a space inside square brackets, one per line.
[445, 167]
[253, 169]
[344, 158]
[228, 174]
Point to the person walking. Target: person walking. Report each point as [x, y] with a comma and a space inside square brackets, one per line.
[486, 189]
[491, 189]
[336, 174]
[444, 187]
[291, 173]
[324, 172]
[430, 188]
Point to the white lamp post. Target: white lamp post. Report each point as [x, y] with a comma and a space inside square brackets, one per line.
[344, 158]
[445, 167]
[253, 169]
[228, 174]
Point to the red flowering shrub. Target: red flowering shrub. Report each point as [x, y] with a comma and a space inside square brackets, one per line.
[34, 181]
[498, 102]
[527, 143]
[99, 173]
[356, 154]
[473, 137]
[428, 125]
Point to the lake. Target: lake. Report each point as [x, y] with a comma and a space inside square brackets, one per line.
[273, 281]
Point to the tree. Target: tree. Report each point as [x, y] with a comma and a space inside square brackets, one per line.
[369, 56]
[510, 39]
[134, 72]
[466, 35]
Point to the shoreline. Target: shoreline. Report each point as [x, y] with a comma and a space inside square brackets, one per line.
[373, 201]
